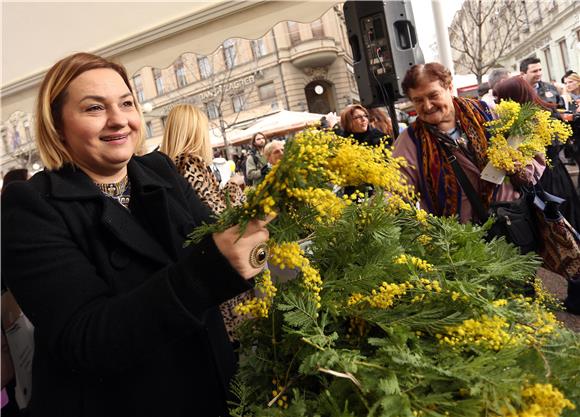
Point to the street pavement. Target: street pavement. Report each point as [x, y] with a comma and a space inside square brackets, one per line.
[557, 286]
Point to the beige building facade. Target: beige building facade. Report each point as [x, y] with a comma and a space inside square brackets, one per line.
[547, 29]
[298, 66]
[551, 33]
[294, 66]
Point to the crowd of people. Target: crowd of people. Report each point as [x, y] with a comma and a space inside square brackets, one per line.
[129, 321]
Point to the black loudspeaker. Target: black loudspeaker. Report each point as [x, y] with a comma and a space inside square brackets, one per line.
[384, 44]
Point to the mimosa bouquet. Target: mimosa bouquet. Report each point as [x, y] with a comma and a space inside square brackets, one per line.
[300, 188]
[520, 132]
[301, 192]
[376, 308]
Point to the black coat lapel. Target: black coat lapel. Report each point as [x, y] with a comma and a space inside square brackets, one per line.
[125, 227]
[150, 203]
[73, 184]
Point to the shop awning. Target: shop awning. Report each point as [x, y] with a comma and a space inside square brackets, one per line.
[139, 33]
[276, 124]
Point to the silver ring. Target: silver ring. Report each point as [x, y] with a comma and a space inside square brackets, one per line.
[259, 255]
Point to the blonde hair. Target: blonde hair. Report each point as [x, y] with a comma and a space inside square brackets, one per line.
[186, 132]
[573, 77]
[269, 148]
[50, 101]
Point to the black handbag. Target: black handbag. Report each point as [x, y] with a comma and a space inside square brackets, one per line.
[515, 220]
[533, 223]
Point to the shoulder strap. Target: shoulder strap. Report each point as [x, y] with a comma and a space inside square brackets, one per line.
[464, 182]
[466, 186]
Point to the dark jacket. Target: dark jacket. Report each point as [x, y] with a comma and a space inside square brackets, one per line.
[125, 316]
[256, 166]
[549, 93]
[372, 137]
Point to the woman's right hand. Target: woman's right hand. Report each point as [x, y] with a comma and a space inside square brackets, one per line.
[332, 119]
[237, 249]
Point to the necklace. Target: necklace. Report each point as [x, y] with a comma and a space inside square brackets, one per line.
[114, 189]
[120, 191]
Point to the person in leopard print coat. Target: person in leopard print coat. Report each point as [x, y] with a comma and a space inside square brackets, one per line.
[186, 141]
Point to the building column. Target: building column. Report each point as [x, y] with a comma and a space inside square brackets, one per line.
[443, 43]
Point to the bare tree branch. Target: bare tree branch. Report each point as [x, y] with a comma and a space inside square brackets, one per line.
[482, 32]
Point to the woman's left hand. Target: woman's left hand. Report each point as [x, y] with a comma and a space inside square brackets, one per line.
[238, 250]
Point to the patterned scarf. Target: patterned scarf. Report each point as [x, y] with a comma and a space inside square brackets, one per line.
[439, 186]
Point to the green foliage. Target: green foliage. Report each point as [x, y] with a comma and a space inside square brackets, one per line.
[347, 360]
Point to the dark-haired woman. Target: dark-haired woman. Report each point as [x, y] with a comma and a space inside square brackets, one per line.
[556, 179]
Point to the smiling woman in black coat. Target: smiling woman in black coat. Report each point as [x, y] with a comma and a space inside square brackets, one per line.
[126, 318]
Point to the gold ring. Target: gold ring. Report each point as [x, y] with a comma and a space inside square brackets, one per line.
[259, 255]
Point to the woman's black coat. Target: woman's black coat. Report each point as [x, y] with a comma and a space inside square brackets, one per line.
[372, 136]
[125, 317]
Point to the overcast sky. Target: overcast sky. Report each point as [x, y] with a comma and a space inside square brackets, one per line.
[423, 13]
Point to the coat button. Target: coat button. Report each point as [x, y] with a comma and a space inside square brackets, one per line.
[119, 258]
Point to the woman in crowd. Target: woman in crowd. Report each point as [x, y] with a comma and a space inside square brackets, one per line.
[126, 318]
[571, 99]
[186, 141]
[571, 94]
[381, 121]
[10, 408]
[18, 174]
[556, 179]
[274, 151]
[455, 124]
[354, 121]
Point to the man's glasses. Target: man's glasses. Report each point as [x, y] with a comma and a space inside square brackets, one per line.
[360, 116]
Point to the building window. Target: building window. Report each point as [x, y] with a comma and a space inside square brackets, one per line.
[267, 91]
[238, 103]
[180, 74]
[212, 110]
[230, 53]
[158, 81]
[27, 133]
[294, 33]
[564, 53]
[317, 29]
[548, 58]
[538, 13]
[149, 129]
[138, 84]
[258, 48]
[163, 121]
[205, 69]
[526, 23]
